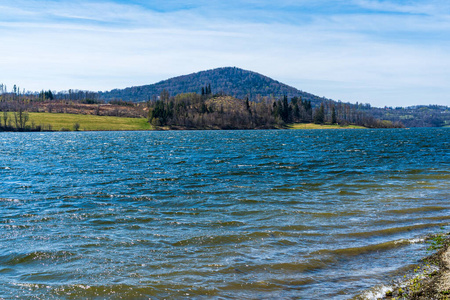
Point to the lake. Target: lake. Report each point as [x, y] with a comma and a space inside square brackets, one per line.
[284, 214]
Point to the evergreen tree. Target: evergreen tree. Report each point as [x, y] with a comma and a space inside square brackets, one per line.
[294, 101]
[333, 115]
[279, 111]
[275, 109]
[158, 115]
[319, 115]
[296, 112]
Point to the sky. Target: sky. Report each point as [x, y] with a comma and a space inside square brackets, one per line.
[386, 53]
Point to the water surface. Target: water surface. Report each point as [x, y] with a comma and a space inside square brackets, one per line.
[313, 214]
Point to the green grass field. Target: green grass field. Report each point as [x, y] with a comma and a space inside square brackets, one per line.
[318, 126]
[60, 122]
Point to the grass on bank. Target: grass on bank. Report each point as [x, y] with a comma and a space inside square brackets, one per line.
[63, 122]
[70, 122]
[319, 126]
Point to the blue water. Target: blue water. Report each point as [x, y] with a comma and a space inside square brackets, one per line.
[313, 214]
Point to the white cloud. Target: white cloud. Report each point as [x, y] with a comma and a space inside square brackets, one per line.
[411, 7]
[347, 56]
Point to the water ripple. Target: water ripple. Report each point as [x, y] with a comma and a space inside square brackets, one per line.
[217, 215]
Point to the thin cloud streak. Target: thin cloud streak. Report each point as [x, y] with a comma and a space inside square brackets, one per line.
[352, 56]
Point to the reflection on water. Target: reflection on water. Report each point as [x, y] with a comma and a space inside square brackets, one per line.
[217, 214]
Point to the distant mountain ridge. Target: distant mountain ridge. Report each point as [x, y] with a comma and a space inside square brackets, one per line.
[231, 81]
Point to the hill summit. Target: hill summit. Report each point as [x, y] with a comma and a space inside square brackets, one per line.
[231, 81]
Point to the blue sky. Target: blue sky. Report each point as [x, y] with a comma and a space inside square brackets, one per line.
[394, 53]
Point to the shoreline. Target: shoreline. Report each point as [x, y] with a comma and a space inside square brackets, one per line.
[78, 123]
[429, 281]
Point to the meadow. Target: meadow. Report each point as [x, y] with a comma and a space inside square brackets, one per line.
[319, 126]
[68, 122]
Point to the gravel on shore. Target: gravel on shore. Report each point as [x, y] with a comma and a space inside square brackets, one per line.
[432, 281]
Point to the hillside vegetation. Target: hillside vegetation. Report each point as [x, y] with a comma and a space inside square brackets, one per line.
[223, 98]
[207, 111]
[243, 84]
[229, 81]
[415, 116]
[44, 111]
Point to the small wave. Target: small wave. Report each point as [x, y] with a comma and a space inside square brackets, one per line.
[245, 212]
[375, 293]
[411, 241]
[394, 230]
[251, 201]
[212, 240]
[103, 222]
[226, 224]
[33, 257]
[168, 179]
[22, 226]
[415, 210]
[330, 214]
[241, 173]
[311, 264]
[141, 198]
[117, 291]
[296, 228]
[354, 251]
[264, 287]
[5, 270]
[288, 189]
[9, 200]
[348, 193]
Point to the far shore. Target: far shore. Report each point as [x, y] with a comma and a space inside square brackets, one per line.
[81, 122]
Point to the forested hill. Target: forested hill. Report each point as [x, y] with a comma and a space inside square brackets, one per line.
[230, 81]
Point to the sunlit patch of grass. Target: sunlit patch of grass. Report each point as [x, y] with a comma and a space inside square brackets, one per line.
[319, 126]
[66, 122]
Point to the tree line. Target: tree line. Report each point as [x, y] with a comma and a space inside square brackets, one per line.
[415, 116]
[205, 110]
[16, 104]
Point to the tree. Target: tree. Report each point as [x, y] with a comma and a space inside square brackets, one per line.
[319, 115]
[285, 112]
[21, 118]
[164, 96]
[158, 115]
[333, 115]
[49, 95]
